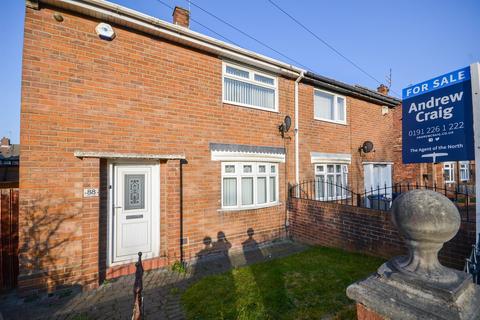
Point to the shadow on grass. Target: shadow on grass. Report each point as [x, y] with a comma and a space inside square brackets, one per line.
[307, 285]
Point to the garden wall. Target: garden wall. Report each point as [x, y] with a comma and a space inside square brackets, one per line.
[364, 230]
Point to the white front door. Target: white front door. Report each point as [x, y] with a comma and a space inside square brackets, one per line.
[378, 178]
[136, 211]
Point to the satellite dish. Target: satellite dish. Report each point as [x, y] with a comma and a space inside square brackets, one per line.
[285, 126]
[288, 123]
[366, 147]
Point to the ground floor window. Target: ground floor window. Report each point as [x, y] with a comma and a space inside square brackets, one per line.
[464, 171]
[449, 172]
[331, 181]
[249, 184]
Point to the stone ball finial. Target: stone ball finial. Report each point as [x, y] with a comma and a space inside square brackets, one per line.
[426, 219]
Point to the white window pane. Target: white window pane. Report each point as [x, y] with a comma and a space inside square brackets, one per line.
[323, 105]
[247, 191]
[320, 186]
[237, 72]
[272, 169]
[331, 185]
[338, 182]
[330, 168]
[340, 109]
[263, 79]
[338, 168]
[273, 189]
[320, 168]
[262, 169]
[249, 94]
[247, 169]
[230, 168]
[261, 190]
[229, 192]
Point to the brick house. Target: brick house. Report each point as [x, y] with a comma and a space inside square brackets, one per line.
[142, 135]
[9, 161]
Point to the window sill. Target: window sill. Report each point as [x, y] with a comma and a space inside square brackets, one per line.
[276, 204]
[236, 104]
[344, 123]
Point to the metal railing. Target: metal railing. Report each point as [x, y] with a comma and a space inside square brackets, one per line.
[381, 197]
[9, 201]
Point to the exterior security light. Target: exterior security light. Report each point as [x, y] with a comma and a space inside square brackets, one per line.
[105, 31]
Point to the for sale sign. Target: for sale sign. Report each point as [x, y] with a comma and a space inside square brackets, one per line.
[437, 119]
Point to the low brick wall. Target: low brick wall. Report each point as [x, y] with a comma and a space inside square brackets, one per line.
[364, 230]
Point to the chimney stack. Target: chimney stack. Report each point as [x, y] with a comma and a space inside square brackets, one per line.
[383, 89]
[181, 17]
[5, 143]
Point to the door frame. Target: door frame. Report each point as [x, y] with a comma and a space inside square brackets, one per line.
[387, 163]
[155, 199]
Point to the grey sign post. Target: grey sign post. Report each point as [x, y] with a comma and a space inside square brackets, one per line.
[475, 73]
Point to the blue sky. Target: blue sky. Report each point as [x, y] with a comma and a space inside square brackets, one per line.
[416, 39]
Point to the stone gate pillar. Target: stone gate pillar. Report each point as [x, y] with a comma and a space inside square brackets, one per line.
[417, 286]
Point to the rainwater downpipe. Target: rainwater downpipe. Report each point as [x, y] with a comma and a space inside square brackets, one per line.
[297, 164]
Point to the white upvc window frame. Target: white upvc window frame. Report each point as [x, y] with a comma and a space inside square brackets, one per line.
[255, 174]
[464, 171]
[251, 80]
[335, 109]
[450, 167]
[321, 169]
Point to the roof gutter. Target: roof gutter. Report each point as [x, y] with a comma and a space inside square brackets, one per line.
[340, 87]
[123, 16]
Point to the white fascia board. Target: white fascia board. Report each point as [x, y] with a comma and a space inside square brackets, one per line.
[247, 157]
[322, 157]
[117, 14]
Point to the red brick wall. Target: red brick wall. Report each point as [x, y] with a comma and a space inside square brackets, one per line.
[365, 121]
[365, 230]
[135, 94]
[141, 94]
[403, 173]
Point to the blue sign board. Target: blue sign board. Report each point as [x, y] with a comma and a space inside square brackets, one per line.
[437, 119]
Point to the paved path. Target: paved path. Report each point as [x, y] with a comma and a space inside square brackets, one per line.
[113, 300]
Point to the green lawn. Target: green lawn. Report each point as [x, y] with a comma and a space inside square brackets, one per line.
[307, 285]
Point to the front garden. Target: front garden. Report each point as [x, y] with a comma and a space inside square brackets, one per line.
[306, 285]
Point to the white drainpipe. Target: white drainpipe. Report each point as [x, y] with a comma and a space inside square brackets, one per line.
[297, 164]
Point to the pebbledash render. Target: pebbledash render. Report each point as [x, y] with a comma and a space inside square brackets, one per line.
[142, 135]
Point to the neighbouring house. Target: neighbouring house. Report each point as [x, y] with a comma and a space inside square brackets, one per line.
[143, 135]
[9, 161]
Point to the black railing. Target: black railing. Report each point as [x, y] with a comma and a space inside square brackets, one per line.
[381, 197]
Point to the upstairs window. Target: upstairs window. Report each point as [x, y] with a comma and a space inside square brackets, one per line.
[249, 88]
[329, 107]
[449, 172]
[464, 171]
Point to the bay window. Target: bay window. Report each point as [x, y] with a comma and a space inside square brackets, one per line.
[249, 184]
[249, 88]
